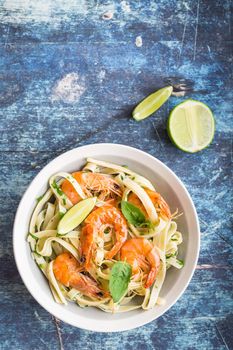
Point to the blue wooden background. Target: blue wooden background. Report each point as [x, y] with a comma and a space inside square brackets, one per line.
[70, 74]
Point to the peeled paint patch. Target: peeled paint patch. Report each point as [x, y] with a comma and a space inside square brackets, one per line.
[107, 15]
[69, 89]
[24, 11]
[138, 41]
[101, 75]
[125, 6]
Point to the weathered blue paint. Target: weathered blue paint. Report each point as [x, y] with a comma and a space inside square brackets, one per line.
[71, 73]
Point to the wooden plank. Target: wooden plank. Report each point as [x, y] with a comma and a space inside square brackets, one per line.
[195, 314]
[24, 323]
[84, 21]
[70, 74]
[48, 86]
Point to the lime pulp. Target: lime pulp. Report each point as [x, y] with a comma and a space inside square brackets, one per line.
[191, 126]
[76, 215]
[152, 103]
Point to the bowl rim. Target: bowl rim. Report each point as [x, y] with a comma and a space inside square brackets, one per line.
[17, 254]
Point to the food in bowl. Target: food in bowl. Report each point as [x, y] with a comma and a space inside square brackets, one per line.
[104, 236]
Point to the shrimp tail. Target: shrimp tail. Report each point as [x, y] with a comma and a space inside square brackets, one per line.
[115, 249]
[165, 210]
[89, 287]
[151, 277]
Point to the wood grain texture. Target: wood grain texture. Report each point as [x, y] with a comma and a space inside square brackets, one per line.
[70, 74]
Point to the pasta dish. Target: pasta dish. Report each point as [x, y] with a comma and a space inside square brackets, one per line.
[104, 236]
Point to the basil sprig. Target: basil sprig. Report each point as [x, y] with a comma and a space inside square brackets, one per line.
[119, 280]
[134, 215]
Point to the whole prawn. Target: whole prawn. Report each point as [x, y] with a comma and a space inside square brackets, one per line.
[160, 204]
[141, 255]
[93, 184]
[68, 272]
[95, 224]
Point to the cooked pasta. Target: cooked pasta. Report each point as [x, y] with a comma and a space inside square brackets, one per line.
[104, 237]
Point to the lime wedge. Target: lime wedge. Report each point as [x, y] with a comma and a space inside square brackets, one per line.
[152, 103]
[75, 215]
[191, 126]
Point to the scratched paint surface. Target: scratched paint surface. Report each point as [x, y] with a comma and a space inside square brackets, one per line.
[71, 72]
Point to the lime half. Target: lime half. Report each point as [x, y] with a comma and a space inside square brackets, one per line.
[191, 126]
[75, 215]
[152, 103]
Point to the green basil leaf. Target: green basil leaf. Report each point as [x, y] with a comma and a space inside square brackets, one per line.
[119, 280]
[132, 214]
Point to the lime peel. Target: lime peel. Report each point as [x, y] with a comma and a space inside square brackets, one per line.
[76, 215]
[191, 126]
[152, 103]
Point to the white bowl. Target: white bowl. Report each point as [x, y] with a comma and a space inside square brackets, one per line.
[167, 184]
